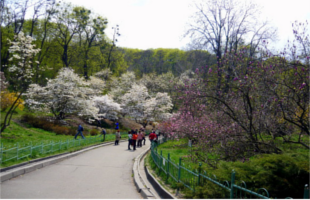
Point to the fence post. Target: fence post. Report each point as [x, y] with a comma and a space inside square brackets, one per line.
[168, 167]
[199, 171]
[31, 149]
[232, 184]
[17, 151]
[1, 153]
[179, 172]
[160, 161]
[306, 192]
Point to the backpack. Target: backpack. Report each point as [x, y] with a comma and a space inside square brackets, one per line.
[134, 136]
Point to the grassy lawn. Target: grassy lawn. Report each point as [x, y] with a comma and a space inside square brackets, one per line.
[23, 135]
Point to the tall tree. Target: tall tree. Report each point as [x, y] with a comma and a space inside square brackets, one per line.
[66, 27]
[91, 28]
[223, 26]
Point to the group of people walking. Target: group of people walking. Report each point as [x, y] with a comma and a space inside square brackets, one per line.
[135, 137]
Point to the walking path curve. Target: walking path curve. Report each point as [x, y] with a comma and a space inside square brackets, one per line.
[101, 173]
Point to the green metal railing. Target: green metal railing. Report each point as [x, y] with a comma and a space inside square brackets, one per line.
[21, 151]
[190, 179]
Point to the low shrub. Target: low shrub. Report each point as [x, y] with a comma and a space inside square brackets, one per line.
[94, 132]
[283, 175]
[37, 122]
[86, 132]
[60, 130]
[26, 118]
[72, 131]
[48, 126]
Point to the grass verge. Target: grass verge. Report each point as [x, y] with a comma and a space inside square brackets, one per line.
[283, 175]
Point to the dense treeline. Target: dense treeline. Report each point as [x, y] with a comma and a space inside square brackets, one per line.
[161, 61]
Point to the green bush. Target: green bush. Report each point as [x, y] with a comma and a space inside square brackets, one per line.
[283, 175]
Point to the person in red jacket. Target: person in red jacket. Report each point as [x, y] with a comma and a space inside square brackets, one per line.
[152, 136]
[134, 140]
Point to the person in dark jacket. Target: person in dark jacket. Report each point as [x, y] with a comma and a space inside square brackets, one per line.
[104, 132]
[143, 137]
[80, 131]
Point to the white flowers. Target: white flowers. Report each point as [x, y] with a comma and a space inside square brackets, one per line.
[107, 107]
[16, 56]
[138, 104]
[23, 51]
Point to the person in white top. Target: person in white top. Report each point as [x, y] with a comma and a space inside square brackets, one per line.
[129, 139]
[117, 137]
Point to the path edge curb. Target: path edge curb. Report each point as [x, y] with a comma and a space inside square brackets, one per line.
[141, 184]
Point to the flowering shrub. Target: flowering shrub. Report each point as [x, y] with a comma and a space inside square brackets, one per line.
[8, 98]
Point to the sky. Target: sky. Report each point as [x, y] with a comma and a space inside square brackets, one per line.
[150, 24]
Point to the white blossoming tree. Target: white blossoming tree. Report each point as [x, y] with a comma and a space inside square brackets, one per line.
[138, 104]
[66, 94]
[20, 71]
[104, 74]
[152, 82]
[119, 86]
[97, 85]
[108, 109]
[158, 107]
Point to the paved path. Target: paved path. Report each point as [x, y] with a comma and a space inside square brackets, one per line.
[101, 173]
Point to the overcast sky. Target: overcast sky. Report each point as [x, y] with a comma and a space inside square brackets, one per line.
[146, 24]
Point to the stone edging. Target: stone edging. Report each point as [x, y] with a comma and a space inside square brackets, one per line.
[141, 184]
[160, 189]
[14, 172]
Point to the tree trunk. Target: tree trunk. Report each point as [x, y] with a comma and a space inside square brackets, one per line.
[7, 119]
